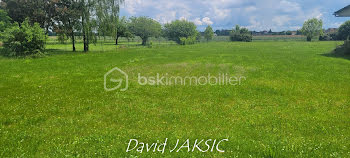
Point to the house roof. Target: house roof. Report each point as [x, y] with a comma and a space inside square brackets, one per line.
[345, 12]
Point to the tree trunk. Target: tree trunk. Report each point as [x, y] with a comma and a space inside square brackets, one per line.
[73, 41]
[144, 41]
[84, 35]
[116, 41]
[309, 39]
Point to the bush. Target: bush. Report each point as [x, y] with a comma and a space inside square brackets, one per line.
[330, 37]
[188, 40]
[241, 34]
[24, 40]
[325, 38]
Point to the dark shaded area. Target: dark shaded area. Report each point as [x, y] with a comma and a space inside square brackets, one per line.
[342, 51]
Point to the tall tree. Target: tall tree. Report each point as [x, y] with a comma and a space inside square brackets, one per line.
[67, 19]
[5, 20]
[312, 28]
[88, 24]
[108, 17]
[209, 33]
[40, 11]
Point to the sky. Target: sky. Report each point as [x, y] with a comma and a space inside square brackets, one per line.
[258, 15]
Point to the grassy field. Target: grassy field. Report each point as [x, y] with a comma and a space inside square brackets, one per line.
[294, 103]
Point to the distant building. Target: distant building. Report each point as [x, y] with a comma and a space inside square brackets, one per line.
[345, 12]
[294, 33]
[331, 30]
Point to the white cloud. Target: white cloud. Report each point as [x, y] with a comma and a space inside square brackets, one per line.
[255, 14]
[198, 21]
[281, 20]
[204, 21]
[207, 21]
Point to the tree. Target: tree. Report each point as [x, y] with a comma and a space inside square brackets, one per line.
[241, 34]
[5, 21]
[24, 40]
[180, 29]
[344, 31]
[312, 28]
[67, 17]
[209, 33]
[145, 28]
[122, 29]
[37, 11]
[108, 17]
[87, 9]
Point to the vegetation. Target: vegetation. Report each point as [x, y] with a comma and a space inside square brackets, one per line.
[241, 34]
[209, 33]
[344, 31]
[24, 40]
[312, 28]
[123, 29]
[5, 21]
[180, 30]
[145, 28]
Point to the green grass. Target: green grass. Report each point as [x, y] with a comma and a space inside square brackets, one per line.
[294, 103]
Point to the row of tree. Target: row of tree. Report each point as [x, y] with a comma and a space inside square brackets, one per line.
[90, 18]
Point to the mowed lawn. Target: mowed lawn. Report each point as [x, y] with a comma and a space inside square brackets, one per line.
[294, 103]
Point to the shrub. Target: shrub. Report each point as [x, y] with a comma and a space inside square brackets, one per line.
[325, 37]
[180, 29]
[241, 34]
[24, 40]
[188, 40]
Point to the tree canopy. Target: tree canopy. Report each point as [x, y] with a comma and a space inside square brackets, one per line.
[145, 28]
[180, 29]
[344, 31]
[312, 28]
[5, 20]
[209, 33]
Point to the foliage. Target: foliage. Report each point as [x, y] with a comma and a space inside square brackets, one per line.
[68, 15]
[188, 40]
[145, 28]
[5, 21]
[223, 32]
[123, 29]
[312, 28]
[24, 40]
[334, 36]
[179, 29]
[289, 33]
[344, 31]
[241, 34]
[209, 33]
[40, 11]
[107, 12]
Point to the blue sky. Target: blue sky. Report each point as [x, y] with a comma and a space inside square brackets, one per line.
[256, 15]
